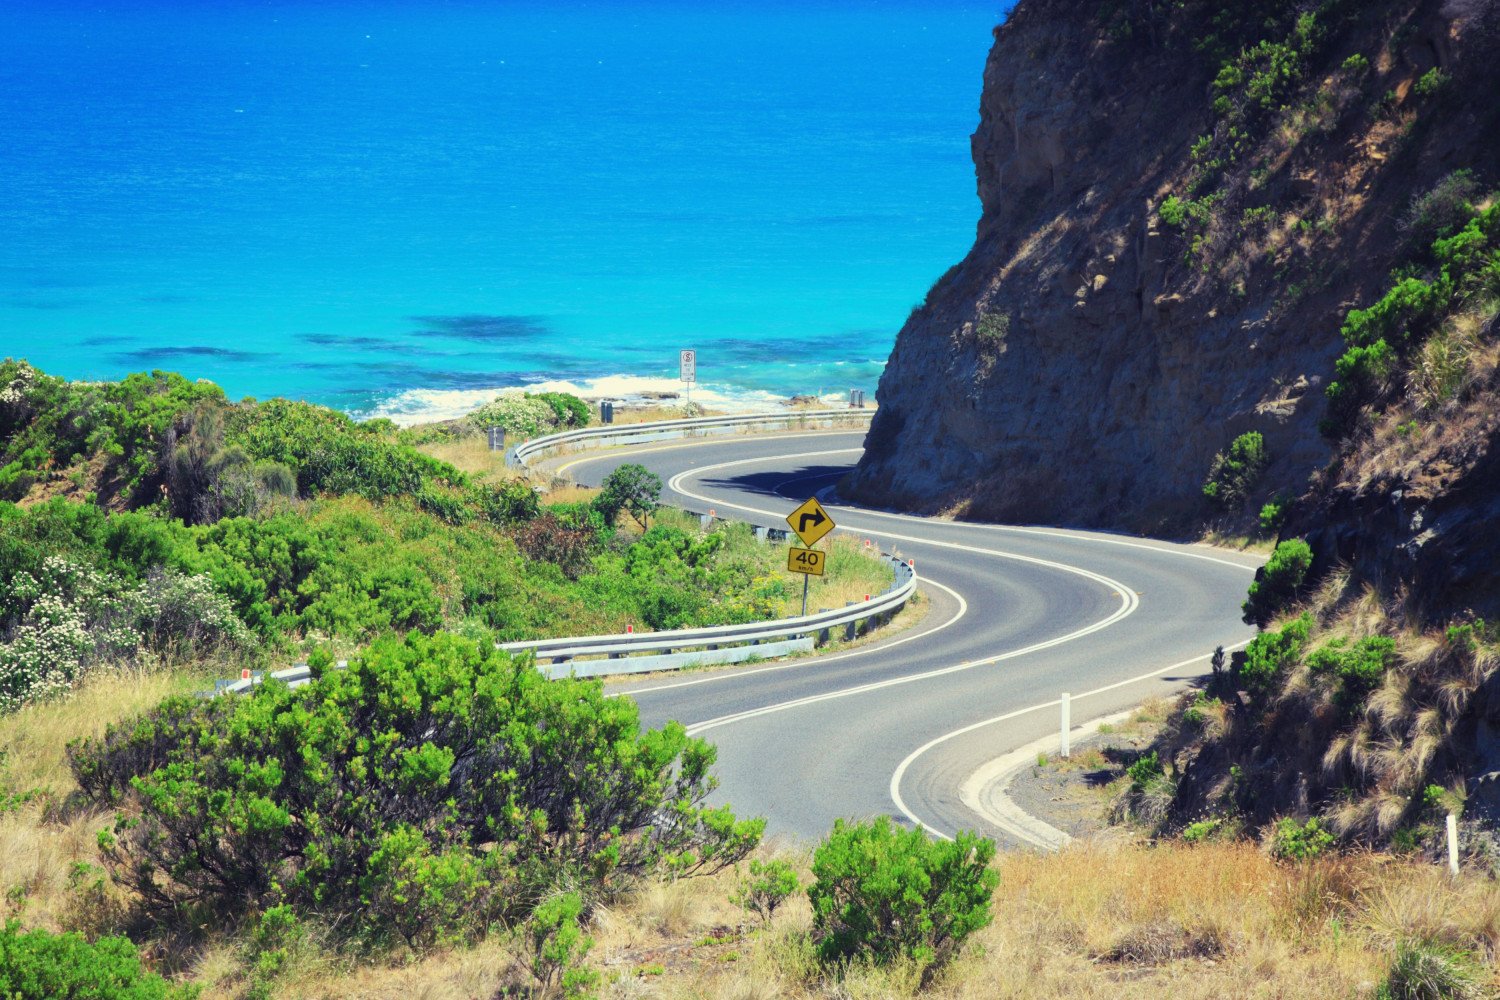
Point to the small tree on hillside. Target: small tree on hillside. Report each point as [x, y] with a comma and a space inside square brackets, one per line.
[631, 488]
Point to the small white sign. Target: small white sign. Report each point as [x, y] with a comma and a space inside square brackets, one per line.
[689, 365]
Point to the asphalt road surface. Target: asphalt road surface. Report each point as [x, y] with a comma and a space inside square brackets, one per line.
[1017, 615]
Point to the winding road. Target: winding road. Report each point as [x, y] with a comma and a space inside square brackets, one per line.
[1016, 616]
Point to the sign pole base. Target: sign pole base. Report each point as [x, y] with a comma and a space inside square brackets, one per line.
[804, 596]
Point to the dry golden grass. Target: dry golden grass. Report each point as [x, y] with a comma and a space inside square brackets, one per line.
[42, 840]
[471, 455]
[563, 491]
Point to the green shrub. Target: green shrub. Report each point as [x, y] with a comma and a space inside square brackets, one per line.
[770, 884]
[558, 947]
[1409, 310]
[1173, 211]
[1359, 668]
[567, 410]
[39, 965]
[1293, 842]
[1431, 83]
[1425, 970]
[1273, 515]
[631, 488]
[1201, 831]
[1269, 654]
[1144, 770]
[372, 795]
[1443, 210]
[1234, 472]
[880, 893]
[1279, 582]
[47, 422]
[994, 327]
[1356, 65]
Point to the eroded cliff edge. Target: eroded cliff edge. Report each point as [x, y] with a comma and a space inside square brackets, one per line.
[1093, 352]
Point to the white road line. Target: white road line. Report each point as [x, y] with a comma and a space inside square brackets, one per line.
[963, 609]
[1129, 597]
[901, 768]
[700, 442]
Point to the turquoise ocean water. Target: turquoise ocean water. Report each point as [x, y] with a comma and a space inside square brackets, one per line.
[400, 207]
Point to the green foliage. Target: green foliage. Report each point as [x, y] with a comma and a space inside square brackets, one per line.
[1234, 472]
[1430, 970]
[567, 410]
[1273, 515]
[38, 965]
[526, 415]
[881, 893]
[48, 423]
[558, 948]
[1465, 257]
[1279, 582]
[1269, 654]
[1431, 83]
[1261, 77]
[994, 327]
[769, 884]
[1409, 310]
[1469, 636]
[60, 619]
[1202, 831]
[1144, 770]
[432, 787]
[632, 488]
[330, 453]
[1359, 668]
[1292, 842]
[1173, 211]
[1356, 65]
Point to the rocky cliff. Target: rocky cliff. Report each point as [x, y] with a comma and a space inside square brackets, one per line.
[1180, 203]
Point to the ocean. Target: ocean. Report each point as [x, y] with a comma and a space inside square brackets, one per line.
[399, 208]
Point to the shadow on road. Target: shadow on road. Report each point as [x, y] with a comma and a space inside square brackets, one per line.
[791, 483]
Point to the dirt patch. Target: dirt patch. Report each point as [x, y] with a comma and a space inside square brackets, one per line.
[1075, 794]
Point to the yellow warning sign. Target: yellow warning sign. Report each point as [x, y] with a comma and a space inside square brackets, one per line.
[810, 521]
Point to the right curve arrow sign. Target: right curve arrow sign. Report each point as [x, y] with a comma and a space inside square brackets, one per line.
[810, 521]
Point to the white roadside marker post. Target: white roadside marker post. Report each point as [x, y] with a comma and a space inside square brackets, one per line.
[1066, 724]
[1453, 843]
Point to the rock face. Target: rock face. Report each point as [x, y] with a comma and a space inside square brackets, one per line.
[1082, 365]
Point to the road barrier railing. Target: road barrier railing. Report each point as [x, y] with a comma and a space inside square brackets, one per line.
[611, 435]
[639, 652]
[643, 652]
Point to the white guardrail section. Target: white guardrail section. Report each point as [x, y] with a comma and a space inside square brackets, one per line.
[612, 435]
[641, 652]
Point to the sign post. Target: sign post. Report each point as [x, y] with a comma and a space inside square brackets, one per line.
[687, 367]
[811, 522]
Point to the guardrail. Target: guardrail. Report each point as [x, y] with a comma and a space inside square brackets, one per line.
[642, 652]
[663, 430]
[639, 652]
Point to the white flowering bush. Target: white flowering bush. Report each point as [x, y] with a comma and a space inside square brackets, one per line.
[177, 609]
[70, 617]
[521, 415]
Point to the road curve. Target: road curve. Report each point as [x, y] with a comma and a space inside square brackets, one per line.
[1018, 615]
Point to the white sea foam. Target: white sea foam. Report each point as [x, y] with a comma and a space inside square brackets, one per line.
[416, 406]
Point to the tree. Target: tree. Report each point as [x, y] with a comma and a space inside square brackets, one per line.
[631, 488]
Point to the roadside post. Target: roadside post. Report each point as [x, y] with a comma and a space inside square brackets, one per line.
[497, 439]
[1067, 724]
[810, 522]
[687, 370]
[1453, 843]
